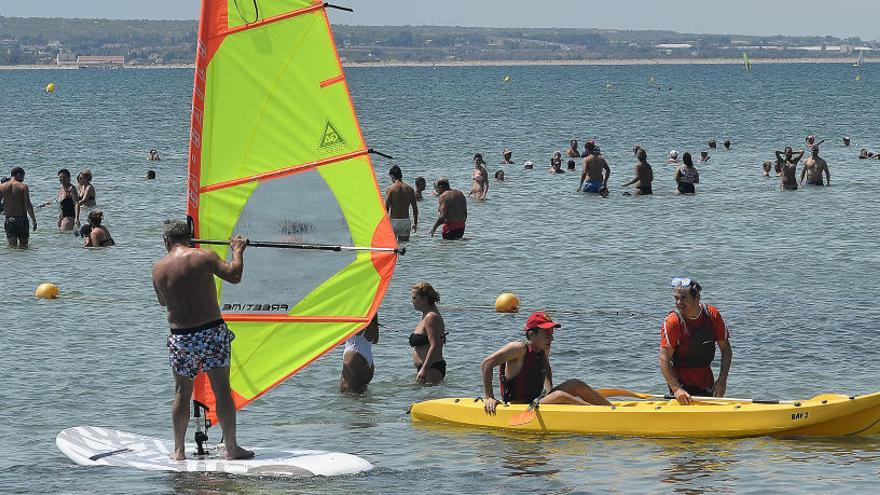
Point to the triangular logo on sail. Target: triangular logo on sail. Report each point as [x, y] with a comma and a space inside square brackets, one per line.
[331, 138]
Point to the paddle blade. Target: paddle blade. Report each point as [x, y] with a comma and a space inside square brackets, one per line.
[523, 418]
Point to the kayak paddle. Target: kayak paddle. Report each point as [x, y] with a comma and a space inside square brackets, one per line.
[619, 392]
[528, 415]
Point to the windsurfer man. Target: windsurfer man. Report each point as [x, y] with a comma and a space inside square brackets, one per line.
[524, 371]
[688, 337]
[452, 210]
[199, 340]
[399, 197]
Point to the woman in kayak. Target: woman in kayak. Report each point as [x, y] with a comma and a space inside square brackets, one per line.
[687, 345]
[524, 371]
[429, 336]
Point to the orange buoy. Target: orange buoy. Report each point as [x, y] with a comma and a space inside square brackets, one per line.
[506, 303]
[47, 291]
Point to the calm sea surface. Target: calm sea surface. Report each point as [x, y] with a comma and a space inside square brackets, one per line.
[794, 274]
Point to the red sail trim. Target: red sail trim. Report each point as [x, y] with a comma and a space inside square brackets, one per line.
[333, 80]
[281, 172]
[293, 319]
[270, 20]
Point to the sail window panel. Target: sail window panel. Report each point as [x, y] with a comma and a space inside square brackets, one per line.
[265, 109]
[241, 12]
[300, 209]
[265, 353]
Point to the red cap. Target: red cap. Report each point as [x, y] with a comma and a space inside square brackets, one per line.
[539, 319]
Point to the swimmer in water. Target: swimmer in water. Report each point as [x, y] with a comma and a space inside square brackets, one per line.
[85, 189]
[506, 156]
[429, 337]
[704, 156]
[594, 178]
[767, 166]
[480, 185]
[153, 156]
[528, 165]
[573, 150]
[813, 169]
[846, 140]
[644, 176]
[571, 165]
[727, 144]
[673, 157]
[420, 184]
[499, 175]
[687, 175]
[151, 175]
[99, 235]
[712, 144]
[556, 160]
[68, 201]
[357, 359]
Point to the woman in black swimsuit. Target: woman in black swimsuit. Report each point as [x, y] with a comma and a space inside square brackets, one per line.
[68, 200]
[429, 336]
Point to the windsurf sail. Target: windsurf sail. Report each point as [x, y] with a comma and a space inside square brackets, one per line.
[861, 59]
[276, 153]
[747, 62]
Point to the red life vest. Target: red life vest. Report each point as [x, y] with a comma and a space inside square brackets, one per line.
[696, 345]
[528, 384]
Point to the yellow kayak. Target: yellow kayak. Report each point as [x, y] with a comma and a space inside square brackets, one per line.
[823, 415]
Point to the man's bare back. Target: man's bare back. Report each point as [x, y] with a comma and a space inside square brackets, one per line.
[399, 197]
[452, 205]
[184, 283]
[16, 198]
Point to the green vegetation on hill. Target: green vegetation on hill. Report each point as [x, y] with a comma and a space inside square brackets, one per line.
[143, 42]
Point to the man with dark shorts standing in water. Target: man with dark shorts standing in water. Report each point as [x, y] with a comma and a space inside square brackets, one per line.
[199, 340]
[452, 210]
[399, 197]
[813, 169]
[688, 337]
[594, 178]
[17, 207]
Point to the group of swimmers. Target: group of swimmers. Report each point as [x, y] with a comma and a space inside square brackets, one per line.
[689, 336]
[17, 207]
[15, 203]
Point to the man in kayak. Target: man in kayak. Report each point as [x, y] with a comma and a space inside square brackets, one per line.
[524, 371]
[199, 340]
[688, 338]
[452, 210]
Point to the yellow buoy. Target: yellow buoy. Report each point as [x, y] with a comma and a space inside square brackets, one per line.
[506, 303]
[47, 291]
[507, 79]
[858, 77]
[609, 86]
[50, 88]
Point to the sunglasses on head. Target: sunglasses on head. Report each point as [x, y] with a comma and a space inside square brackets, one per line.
[683, 282]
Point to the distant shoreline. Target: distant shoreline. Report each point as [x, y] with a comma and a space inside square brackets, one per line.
[504, 63]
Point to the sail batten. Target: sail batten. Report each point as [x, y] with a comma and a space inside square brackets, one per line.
[277, 154]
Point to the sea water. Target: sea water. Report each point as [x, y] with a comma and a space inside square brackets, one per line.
[794, 274]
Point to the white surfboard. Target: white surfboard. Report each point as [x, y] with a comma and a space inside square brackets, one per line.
[96, 446]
